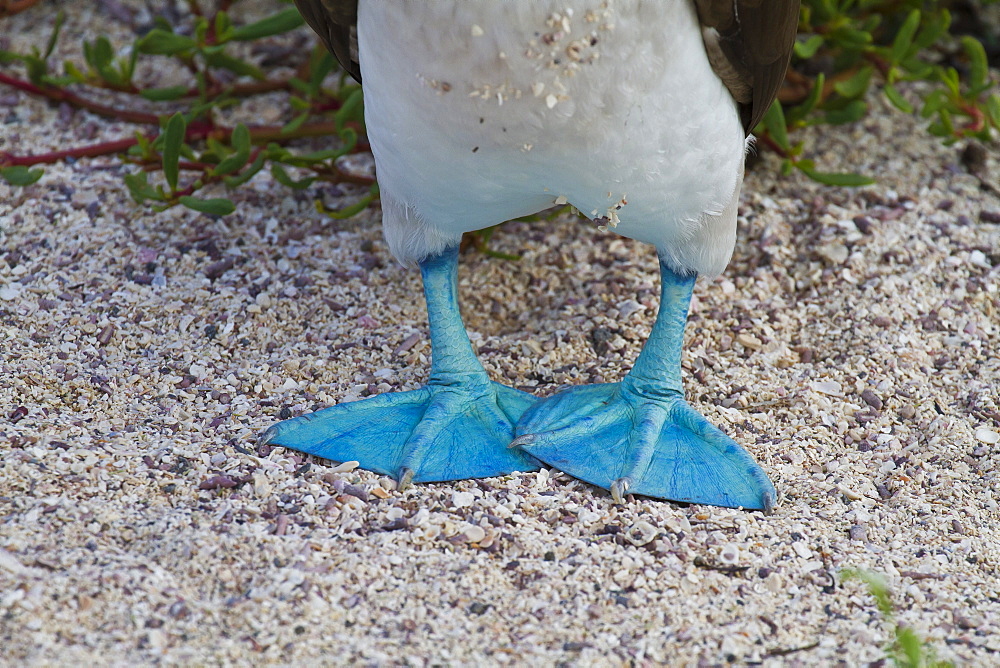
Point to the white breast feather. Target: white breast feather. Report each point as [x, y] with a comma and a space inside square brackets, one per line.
[481, 111]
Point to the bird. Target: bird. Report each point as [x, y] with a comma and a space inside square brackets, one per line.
[636, 112]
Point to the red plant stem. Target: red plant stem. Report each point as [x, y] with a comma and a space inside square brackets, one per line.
[977, 119]
[63, 95]
[104, 148]
[12, 7]
[258, 135]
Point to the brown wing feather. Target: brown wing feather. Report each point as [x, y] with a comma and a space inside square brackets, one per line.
[335, 21]
[749, 44]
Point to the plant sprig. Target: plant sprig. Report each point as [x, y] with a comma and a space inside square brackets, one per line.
[881, 43]
[189, 145]
[844, 49]
[907, 649]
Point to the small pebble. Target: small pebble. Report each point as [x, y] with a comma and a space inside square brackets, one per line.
[749, 341]
[357, 491]
[872, 399]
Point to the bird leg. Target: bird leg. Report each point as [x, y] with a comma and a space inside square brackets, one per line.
[640, 435]
[457, 426]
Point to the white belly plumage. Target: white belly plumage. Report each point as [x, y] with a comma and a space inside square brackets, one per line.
[480, 111]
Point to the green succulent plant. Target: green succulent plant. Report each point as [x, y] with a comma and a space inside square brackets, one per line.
[845, 48]
[907, 649]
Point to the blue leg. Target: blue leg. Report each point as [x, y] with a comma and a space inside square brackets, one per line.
[640, 435]
[457, 426]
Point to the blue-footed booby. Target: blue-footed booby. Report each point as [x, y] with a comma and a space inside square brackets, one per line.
[637, 112]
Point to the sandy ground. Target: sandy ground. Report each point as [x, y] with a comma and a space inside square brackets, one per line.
[851, 346]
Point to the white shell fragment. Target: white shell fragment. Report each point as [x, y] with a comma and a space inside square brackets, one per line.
[462, 499]
[988, 436]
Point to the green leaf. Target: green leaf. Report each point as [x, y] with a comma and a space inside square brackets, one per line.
[350, 139]
[19, 175]
[164, 94]
[277, 152]
[299, 85]
[54, 37]
[934, 101]
[143, 145]
[240, 138]
[945, 124]
[223, 27]
[37, 68]
[911, 645]
[99, 55]
[216, 206]
[951, 79]
[319, 156]
[979, 69]
[933, 30]
[993, 109]
[139, 188]
[877, 587]
[834, 178]
[280, 175]
[173, 138]
[807, 49]
[904, 38]
[127, 68]
[294, 124]
[283, 21]
[857, 84]
[351, 210]
[241, 142]
[852, 112]
[774, 123]
[851, 38]
[246, 174]
[896, 99]
[354, 209]
[73, 72]
[798, 113]
[227, 62]
[164, 43]
[351, 110]
[319, 67]
[200, 30]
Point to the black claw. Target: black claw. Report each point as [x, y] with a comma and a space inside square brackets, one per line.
[267, 435]
[769, 503]
[405, 478]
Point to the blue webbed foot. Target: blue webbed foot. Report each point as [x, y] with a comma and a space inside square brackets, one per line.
[656, 446]
[640, 435]
[435, 433]
[457, 426]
